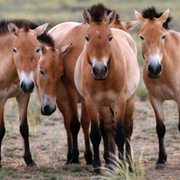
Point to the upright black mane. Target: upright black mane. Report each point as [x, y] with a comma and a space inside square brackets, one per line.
[20, 23]
[46, 39]
[117, 18]
[151, 13]
[97, 12]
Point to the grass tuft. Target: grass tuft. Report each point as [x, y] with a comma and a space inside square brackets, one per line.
[34, 110]
[120, 170]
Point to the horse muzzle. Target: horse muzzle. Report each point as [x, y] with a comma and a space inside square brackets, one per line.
[154, 71]
[100, 72]
[27, 87]
[47, 110]
[26, 82]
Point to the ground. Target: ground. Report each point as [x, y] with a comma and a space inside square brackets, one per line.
[49, 146]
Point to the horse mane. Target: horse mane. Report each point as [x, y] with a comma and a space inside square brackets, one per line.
[20, 23]
[151, 13]
[46, 39]
[98, 11]
[118, 17]
[108, 11]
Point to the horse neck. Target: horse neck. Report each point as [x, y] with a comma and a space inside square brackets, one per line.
[116, 55]
[171, 49]
[8, 70]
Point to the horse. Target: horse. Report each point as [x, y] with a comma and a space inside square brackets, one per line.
[48, 72]
[68, 96]
[160, 51]
[19, 54]
[107, 75]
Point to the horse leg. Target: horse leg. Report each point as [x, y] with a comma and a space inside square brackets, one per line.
[85, 126]
[64, 108]
[23, 100]
[160, 129]
[105, 139]
[107, 132]
[74, 124]
[94, 134]
[118, 109]
[2, 128]
[128, 126]
[178, 103]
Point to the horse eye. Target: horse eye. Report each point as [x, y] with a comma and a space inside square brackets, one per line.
[142, 38]
[110, 39]
[37, 50]
[163, 37]
[42, 72]
[87, 39]
[14, 49]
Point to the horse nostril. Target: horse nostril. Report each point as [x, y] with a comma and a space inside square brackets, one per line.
[94, 71]
[159, 69]
[105, 69]
[31, 86]
[150, 69]
[22, 86]
[46, 109]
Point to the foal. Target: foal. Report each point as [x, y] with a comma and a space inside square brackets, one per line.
[160, 50]
[19, 54]
[49, 70]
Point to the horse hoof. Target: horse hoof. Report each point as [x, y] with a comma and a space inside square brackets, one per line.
[97, 172]
[32, 164]
[89, 161]
[109, 166]
[67, 163]
[97, 178]
[159, 166]
[74, 161]
[88, 158]
[132, 175]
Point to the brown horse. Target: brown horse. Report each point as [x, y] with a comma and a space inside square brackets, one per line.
[19, 54]
[48, 73]
[107, 74]
[68, 96]
[160, 50]
[66, 33]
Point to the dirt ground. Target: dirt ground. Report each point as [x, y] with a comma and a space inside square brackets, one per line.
[49, 146]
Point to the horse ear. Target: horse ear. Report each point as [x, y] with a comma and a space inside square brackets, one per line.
[13, 29]
[63, 50]
[111, 17]
[164, 16]
[131, 24]
[41, 29]
[43, 48]
[87, 16]
[138, 15]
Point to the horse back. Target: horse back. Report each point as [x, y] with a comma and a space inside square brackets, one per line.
[128, 48]
[65, 34]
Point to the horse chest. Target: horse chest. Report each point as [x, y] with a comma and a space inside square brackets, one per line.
[105, 98]
[162, 91]
[103, 93]
[10, 91]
